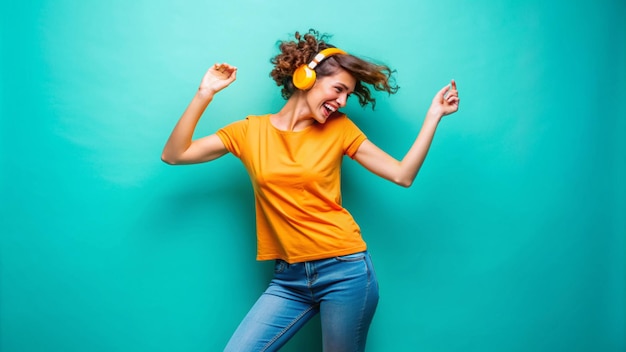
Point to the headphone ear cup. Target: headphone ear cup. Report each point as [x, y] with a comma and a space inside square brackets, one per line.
[304, 77]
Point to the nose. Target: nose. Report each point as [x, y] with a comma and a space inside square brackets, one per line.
[342, 99]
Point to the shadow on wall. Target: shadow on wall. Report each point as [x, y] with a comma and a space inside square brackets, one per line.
[213, 218]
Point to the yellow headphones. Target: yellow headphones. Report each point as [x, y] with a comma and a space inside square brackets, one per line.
[304, 76]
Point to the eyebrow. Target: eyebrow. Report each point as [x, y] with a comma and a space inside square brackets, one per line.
[345, 87]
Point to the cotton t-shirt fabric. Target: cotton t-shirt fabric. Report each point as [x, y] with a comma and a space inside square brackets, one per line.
[296, 180]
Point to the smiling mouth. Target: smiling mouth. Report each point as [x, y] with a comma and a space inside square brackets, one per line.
[329, 108]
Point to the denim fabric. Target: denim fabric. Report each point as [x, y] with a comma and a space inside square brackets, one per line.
[344, 290]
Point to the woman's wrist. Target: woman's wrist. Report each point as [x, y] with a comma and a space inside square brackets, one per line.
[433, 116]
[205, 94]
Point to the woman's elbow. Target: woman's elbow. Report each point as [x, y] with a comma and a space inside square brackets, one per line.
[168, 159]
[404, 183]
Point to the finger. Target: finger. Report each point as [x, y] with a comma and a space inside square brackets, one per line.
[225, 68]
[453, 100]
[221, 67]
[452, 95]
[443, 91]
[216, 68]
[453, 84]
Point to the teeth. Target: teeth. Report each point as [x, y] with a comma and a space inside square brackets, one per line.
[329, 107]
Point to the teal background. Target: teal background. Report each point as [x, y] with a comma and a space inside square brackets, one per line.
[511, 238]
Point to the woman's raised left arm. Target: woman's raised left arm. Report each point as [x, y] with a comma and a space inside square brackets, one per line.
[445, 102]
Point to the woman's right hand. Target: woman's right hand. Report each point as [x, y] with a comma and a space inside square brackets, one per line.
[218, 77]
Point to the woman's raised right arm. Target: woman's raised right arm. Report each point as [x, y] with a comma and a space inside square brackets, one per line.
[180, 148]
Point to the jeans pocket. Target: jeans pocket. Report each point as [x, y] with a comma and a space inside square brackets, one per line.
[354, 257]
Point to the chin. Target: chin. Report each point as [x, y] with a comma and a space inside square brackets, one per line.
[322, 118]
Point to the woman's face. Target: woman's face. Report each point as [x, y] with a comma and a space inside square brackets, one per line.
[329, 94]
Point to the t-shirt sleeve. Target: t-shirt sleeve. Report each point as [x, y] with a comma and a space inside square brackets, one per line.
[233, 136]
[353, 137]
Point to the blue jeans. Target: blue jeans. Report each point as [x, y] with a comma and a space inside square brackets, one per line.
[344, 290]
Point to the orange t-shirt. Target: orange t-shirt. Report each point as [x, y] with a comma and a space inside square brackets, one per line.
[297, 189]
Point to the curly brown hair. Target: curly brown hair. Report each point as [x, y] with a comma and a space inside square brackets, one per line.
[294, 53]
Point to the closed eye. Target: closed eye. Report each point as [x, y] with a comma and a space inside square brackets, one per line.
[341, 90]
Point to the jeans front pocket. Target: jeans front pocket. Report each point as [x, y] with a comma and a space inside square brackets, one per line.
[354, 257]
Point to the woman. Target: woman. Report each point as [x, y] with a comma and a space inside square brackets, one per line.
[293, 158]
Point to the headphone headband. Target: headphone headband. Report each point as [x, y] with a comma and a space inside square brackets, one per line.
[323, 55]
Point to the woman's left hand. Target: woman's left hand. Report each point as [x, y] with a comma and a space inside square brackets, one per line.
[446, 101]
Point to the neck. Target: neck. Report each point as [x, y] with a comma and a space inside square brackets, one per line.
[295, 115]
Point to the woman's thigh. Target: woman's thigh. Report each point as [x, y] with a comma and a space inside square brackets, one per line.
[277, 315]
[348, 306]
